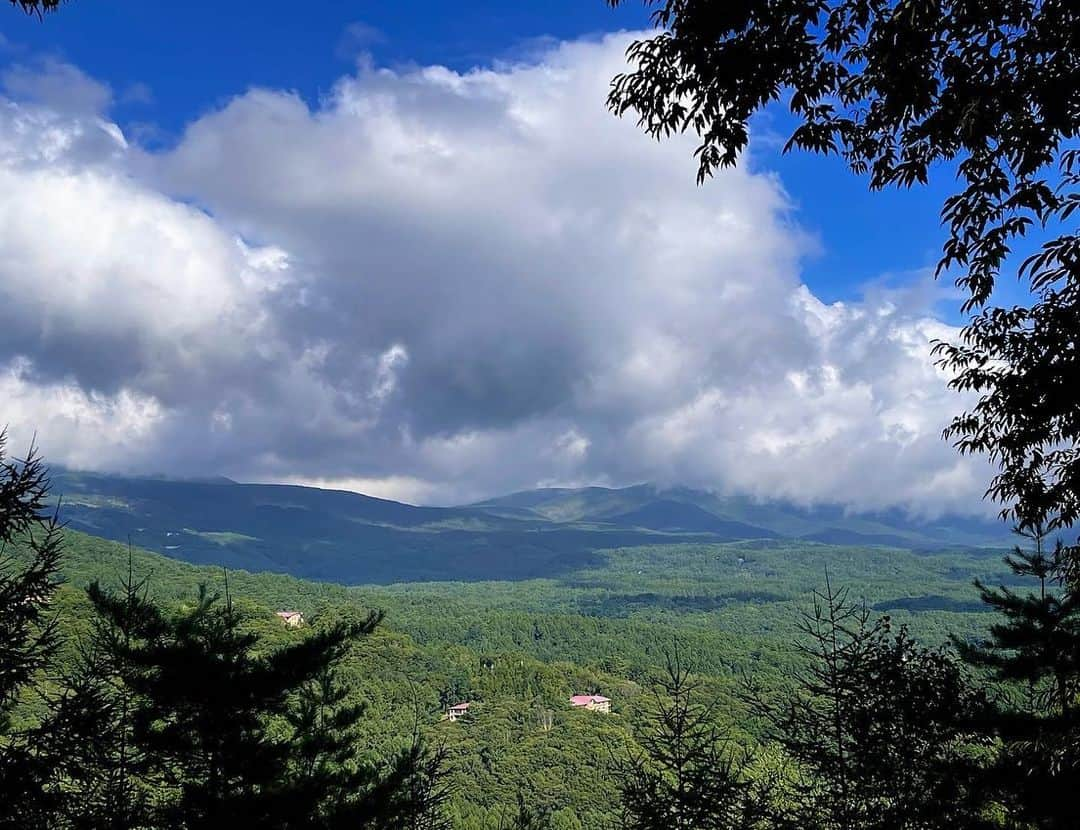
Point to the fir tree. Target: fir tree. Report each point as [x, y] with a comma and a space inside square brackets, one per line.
[876, 726]
[331, 783]
[30, 550]
[100, 775]
[1035, 650]
[28, 638]
[526, 817]
[226, 734]
[686, 776]
[411, 795]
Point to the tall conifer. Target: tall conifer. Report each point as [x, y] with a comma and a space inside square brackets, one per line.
[30, 549]
[1034, 649]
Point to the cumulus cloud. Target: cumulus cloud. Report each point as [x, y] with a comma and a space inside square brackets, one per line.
[441, 285]
[56, 84]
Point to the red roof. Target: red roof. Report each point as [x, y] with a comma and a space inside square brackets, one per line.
[585, 700]
[460, 706]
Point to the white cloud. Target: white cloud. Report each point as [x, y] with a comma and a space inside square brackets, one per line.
[78, 426]
[55, 84]
[447, 285]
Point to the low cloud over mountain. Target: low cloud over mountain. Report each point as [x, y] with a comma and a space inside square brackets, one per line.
[439, 286]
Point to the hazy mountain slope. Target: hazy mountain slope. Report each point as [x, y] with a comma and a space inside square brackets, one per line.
[350, 538]
[219, 500]
[666, 514]
[329, 535]
[586, 504]
[652, 507]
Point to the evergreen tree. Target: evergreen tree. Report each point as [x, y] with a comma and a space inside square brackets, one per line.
[1035, 650]
[526, 817]
[323, 761]
[877, 727]
[411, 795]
[30, 550]
[93, 765]
[687, 777]
[328, 778]
[212, 719]
[28, 639]
[100, 776]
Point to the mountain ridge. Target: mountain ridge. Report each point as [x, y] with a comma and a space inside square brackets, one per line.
[782, 518]
[352, 538]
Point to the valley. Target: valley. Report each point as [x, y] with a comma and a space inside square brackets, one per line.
[517, 649]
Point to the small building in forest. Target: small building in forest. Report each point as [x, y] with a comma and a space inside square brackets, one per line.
[594, 703]
[457, 711]
[293, 619]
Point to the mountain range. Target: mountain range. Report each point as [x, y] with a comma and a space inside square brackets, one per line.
[350, 538]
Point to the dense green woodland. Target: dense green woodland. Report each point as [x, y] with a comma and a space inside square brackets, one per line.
[520, 649]
[732, 612]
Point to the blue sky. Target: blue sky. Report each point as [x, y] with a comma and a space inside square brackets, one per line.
[194, 56]
[402, 248]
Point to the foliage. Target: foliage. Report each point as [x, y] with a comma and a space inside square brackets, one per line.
[876, 725]
[686, 776]
[37, 7]
[602, 629]
[87, 736]
[206, 709]
[987, 88]
[1035, 647]
[482, 763]
[28, 634]
[525, 817]
[27, 638]
[178, 718]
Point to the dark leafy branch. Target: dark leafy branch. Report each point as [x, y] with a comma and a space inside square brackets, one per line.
[903, 90]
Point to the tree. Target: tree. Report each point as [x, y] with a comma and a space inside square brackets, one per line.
[37, 7]
[989, 89]
[231, 734]
[326, 768]
[876, 726]
[30, 550]
[526, 817]
[686, 776]
[1035, 646]
[99, 779]
[28, 639]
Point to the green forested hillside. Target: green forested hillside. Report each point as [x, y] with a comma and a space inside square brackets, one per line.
[506, 747]
[519, 649]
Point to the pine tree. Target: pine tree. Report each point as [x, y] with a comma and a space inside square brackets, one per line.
[28, 637]
[100, 775]
[1035, 651]
[526, 817]
[411, 794]
[30, 551]
[876, 726]
[329, 782]
[686, 776]
[227, 734]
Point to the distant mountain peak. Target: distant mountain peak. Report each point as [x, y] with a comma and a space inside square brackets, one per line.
[343, 536]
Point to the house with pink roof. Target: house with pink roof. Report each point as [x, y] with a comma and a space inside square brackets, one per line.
[293, 619]
[594, 703]
[457, 711]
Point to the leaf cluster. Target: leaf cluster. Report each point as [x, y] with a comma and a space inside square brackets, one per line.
[898, 88]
